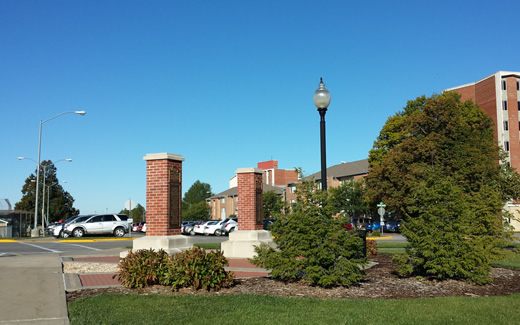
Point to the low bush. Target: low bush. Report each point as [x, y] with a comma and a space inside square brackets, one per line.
[194, 268]
[375, 233]
[371, 247]
[198, 269]
[142, 268]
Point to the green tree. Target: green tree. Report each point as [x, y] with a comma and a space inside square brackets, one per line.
[435, 164]
[348, 198]
[312, 245]
[194, 204]
[197, 211]
[273, 204]
[61, 203]
[138, 213]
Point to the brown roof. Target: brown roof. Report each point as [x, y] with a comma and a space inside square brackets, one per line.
[353, 168]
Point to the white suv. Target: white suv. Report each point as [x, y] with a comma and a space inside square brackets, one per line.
[101, 224]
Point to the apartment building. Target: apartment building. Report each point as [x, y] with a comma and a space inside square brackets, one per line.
[224, 204]
[336, 175]
[498, 95]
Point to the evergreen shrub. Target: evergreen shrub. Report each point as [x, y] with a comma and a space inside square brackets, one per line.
[312, 245]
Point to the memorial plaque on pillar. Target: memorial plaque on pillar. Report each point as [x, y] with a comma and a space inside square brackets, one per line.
[175, 199]
[259, 201]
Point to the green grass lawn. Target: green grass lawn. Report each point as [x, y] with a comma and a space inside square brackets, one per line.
[257, 309]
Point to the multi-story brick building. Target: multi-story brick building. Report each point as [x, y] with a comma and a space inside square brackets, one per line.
[224, 204]
[499, 96]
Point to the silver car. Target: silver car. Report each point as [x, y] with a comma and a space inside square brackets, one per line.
[101, 224]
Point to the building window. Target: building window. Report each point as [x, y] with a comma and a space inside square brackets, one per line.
[506, 126]
[518, 106]
[504, 105]
[222, 200]
[503, 85]
[506, 145]
[293, 189]
[517, 85]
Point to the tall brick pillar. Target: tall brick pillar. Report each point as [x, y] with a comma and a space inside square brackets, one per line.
[163, 205]
[163, 194]
[241, 243]
[250, 199]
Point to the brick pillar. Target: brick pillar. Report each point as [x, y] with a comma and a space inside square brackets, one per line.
[250, 200]
[163, 194]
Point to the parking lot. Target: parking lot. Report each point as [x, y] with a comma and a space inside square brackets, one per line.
[51, 245]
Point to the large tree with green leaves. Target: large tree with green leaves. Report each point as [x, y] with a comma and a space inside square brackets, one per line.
[59, 201]
[194, 204]
[348, 198]
[436, 164]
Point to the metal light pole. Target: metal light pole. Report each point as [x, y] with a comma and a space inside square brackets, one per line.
[34, 232]
[322, 101]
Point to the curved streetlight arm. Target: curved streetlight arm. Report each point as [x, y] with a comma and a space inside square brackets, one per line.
[74, 112]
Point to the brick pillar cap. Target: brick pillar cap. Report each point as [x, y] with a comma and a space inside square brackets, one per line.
[249, 170]
[162, 156]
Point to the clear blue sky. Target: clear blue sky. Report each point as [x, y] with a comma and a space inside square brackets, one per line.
[225, 84]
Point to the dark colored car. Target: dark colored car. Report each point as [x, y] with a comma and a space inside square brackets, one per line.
[392, 226]
[373, 226]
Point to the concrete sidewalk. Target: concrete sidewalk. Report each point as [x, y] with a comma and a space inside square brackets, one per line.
[32, 287]
[32, 290]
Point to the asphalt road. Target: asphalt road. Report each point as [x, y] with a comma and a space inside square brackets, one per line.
[51, 245]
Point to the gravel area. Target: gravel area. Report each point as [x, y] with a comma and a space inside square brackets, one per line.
[88, 267]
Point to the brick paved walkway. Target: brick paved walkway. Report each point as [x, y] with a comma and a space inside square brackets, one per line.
[241, 267]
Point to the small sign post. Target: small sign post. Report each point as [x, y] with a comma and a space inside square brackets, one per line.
[381, 212]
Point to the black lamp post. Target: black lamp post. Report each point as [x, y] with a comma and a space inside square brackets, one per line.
[322, 101]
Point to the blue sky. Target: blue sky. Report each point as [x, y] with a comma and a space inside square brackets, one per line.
[225, 84]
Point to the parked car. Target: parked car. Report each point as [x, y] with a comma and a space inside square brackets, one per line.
[58, 230]
[213, 228]
[230, 225]
[102, 224]
[143, 229]
[198, 229]
[373, 226]
[187, 228]
[392, 226]
[138, 226]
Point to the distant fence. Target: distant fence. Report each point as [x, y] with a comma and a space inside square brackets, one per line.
[18, 223]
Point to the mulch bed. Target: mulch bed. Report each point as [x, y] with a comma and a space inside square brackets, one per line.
[380, 282]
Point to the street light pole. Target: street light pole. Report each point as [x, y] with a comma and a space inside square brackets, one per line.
[322, 101]
[44, 179]
[34, 233]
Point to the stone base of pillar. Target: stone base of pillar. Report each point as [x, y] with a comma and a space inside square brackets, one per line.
[35, 232]
[171, 244]
[241, 243]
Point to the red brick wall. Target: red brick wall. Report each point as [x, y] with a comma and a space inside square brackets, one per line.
[157, 194]
[486, 99]
[285, 176]
[247, 201]
[270, 164]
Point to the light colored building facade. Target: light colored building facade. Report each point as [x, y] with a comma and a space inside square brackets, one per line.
[498, 95]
